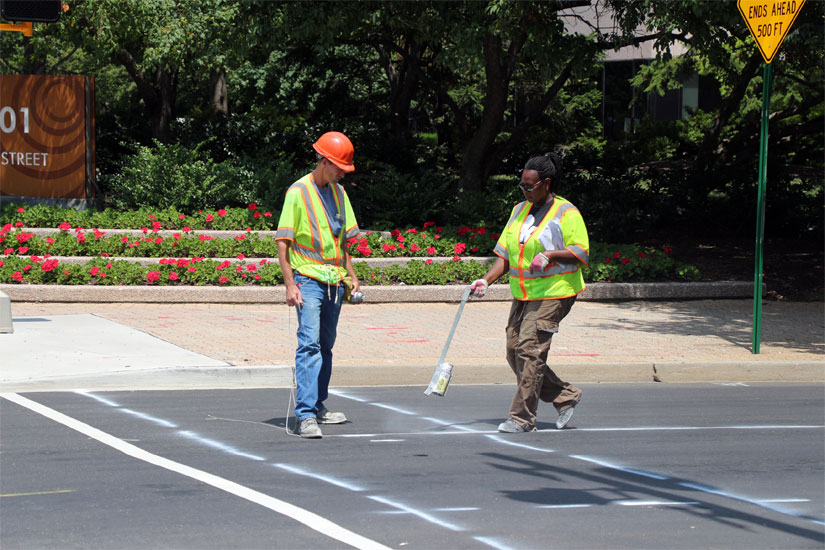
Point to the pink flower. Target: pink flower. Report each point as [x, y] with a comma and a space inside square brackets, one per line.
[49, 240]
[209, 217]
[94, 271]
[181, 217]
[20, 210]
[251, 267]
[173, 276]
[222, 212]
[436, 236]
[431, 250]
[65, 226]
[203, 238]
[267, 214]
[152, 276]
[109, 266]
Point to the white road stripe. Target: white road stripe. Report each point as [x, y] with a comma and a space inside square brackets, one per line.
[500, 439]
[423, 515]
[495, 543]
[310, 519]
[217, 445]
[319, 477]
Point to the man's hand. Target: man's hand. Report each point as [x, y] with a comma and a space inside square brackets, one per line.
[293, 296]
[539, 263]
[478, 288]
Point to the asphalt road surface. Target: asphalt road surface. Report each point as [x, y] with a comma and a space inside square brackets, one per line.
[640, 466]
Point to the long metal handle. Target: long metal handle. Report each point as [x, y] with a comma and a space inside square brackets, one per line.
[455, 324]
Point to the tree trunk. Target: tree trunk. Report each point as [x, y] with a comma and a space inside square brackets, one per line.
[218, 97]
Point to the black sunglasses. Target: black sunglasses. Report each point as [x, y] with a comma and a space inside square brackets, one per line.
[529, 188]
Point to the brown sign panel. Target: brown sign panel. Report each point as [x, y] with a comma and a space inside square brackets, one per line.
[46, 136]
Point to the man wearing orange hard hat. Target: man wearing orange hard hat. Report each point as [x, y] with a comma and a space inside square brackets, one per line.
[315, 224]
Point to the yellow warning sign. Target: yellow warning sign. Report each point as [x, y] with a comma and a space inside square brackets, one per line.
[769, 22]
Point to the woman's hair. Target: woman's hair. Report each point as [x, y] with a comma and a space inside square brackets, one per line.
[547, 165]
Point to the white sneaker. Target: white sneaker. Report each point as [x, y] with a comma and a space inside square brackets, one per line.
[324, 416]
[309, 429]
[564, 417]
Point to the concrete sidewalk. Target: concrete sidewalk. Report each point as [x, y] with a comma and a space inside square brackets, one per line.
[197, 345]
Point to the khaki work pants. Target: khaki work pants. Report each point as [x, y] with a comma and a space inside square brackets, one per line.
[530, 329]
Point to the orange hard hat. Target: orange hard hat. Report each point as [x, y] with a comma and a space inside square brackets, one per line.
[337, 148]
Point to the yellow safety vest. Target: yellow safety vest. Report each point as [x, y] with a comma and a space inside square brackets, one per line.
[315, 251]
[562, 228]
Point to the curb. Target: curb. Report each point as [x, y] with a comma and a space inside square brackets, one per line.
[280, 376]
[373, 294]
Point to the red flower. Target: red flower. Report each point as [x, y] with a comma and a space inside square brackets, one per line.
[27, 267]
[251, 267]
[431, 250]
[20, 210]
[6, 228]
[474, 249]
[256, 215]
[456, 258]
[267, 214]
[240, 257]
[23, 237]
[22, 249]
[124, 239]
[617, 255]
[81, 238]
[412, 230]
[463, 230]
[209, 217]
[177, 236]
[94, 271]
[159, 240]
[186, 229]
[667, 250]
[253, 206]
[8, 251]
[152, 217]
[640, 254]
[222, 212]
[182, 262]
[428, 261]
[429, 224]
[173, 276]
[203, 238]
[607, 260]
[223, 280]
[109, 266]
[48, 265]
[65, 226]
[459, 248]
[436, 236]
[145, 230]
[414, 247]
[191, 269]
[400, 238]
[155, 226]
[17, 276]
[99, 233]
[2, 263]
[152, 276]
[625, 260]
[181, 217]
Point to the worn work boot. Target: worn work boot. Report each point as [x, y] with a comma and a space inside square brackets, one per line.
[309, 429]
[564, 416]
[510, 426]
[324, 416]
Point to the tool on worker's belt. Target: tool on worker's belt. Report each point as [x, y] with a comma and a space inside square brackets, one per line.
[444, 371]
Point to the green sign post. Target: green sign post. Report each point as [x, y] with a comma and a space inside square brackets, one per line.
[769, 22]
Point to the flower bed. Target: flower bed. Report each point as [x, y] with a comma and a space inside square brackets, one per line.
[187, 258]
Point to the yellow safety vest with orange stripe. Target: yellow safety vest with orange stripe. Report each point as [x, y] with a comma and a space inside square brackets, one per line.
[562, 228]
[315, 251]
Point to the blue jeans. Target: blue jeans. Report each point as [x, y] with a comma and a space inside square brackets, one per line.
[317, 328]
